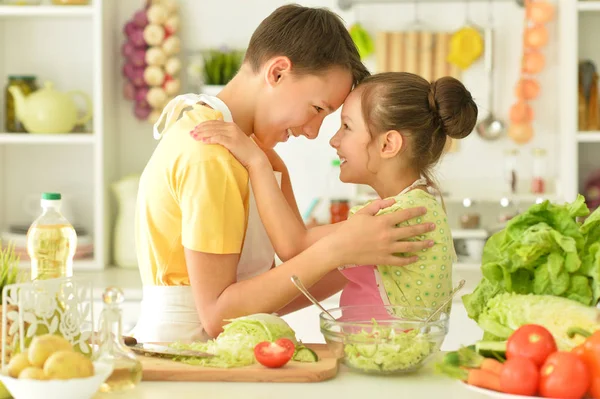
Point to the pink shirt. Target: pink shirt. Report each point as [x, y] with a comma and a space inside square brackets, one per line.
[362, 289]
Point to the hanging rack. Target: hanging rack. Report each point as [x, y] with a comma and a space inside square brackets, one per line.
[347, 4]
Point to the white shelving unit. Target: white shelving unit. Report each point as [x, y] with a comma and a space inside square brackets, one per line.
[579, 30]
[74, 47]
[46, 11]
[588, 137]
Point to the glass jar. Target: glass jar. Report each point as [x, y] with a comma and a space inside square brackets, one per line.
[538, 180]
[127, 369]
[510, 171]
[339, 210]
[28, 85]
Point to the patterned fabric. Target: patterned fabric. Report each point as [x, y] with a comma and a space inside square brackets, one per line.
[427, 282]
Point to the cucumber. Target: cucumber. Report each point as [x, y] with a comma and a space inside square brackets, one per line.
[452, 358]
[492, 349]
[305, 355]
[366, 350]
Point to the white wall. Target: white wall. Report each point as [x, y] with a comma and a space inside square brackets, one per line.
[207, 24]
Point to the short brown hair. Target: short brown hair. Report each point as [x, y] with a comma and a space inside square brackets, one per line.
[314, 39]
[425, 113]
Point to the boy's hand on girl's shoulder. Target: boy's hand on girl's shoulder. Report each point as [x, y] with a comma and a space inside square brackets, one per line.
[369, 239]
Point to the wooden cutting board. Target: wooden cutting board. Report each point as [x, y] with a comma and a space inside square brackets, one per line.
[157, 369]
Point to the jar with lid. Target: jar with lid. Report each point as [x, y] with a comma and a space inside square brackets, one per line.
[28, 85]
[339, 210]
[510, 171]
[127, 369]
[538, 181]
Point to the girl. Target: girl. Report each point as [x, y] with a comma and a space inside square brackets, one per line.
[394, 130]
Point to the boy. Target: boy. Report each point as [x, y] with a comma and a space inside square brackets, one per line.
[203, 253]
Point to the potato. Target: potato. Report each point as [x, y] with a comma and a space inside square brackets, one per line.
[45, 345]
[33, 373]
[17, 364]
[64, 365]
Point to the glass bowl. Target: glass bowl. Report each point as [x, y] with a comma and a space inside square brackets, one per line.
[378, 339]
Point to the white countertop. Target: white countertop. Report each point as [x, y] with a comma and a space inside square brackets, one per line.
[347, 384]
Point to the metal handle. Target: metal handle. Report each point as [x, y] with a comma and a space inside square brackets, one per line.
[307, 294]
[489, 64]
[447, 301]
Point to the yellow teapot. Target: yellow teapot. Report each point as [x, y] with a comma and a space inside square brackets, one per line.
[48, 110]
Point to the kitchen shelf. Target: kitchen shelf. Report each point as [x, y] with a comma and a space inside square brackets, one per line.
[588, 5]
[59, 138]
[588, 137]
[46, 11]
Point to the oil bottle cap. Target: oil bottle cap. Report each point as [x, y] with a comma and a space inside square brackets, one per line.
[51, 196]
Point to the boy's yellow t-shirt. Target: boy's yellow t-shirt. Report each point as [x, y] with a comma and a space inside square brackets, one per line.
[190, 195]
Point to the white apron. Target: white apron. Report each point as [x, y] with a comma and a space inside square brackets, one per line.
[168, 314]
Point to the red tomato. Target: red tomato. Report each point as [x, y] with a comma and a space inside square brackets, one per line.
[532, 341]
[274, 354]
[564, 375]
[519, 376]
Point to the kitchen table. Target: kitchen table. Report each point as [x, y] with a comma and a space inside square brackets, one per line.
[346, 385]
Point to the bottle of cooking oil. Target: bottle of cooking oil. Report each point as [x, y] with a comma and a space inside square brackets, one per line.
[127, 369]
[51, 241]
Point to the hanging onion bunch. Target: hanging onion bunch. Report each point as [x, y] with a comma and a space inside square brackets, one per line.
[152, 66]
[527, 89]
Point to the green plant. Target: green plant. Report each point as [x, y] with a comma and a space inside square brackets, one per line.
[221, 66]
[9, 265]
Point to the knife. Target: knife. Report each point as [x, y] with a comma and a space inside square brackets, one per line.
[165, 351]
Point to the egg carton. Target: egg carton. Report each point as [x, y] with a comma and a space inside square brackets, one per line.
[62, 306]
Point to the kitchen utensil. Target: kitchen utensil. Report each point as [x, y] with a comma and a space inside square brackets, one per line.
[157, 369]
[48, 110]
[365, 337]
[307, 294]
[28, 85]
[447, 301]
[165, 351]
[490, 128]
[466, 44]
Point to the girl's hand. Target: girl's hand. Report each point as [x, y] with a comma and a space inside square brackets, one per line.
[366, 239]
[244, 148]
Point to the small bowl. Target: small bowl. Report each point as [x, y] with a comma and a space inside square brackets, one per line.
[76, 388]
[384, 340]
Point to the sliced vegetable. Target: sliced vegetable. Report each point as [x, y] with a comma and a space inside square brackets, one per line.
[589, 352]
[492, 349]
[476, 377]
[392, 350]
[234, 347]
[531, 341]
[452, 359]
[519, 376]
[274, 354]
[565, 376]
[306, 355]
